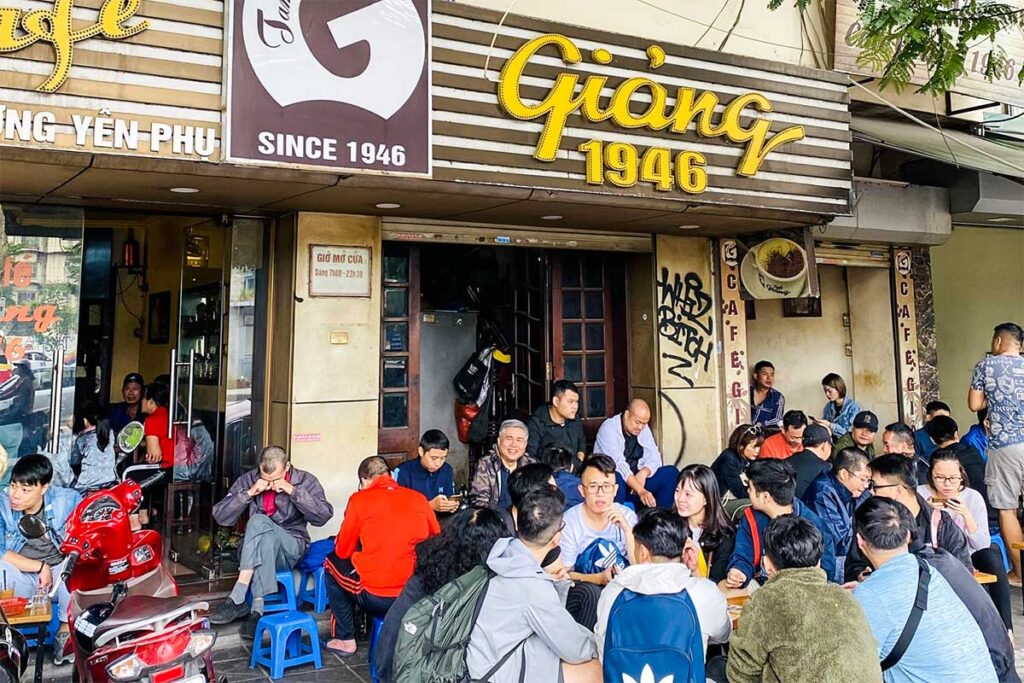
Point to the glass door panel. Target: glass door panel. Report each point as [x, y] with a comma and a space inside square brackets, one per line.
[40, 289]
[196, 385]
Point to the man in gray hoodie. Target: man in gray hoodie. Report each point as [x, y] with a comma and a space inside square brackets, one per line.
[523, 613]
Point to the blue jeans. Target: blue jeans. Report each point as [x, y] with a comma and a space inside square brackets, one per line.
[661, 484]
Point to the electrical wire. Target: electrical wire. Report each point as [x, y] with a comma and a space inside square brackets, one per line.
[919, 122]
[494, 39]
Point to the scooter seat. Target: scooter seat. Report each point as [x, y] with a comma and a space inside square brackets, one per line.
[145, 609]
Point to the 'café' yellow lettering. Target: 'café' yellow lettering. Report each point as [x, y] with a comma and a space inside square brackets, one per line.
[54, 26]
[691, 107]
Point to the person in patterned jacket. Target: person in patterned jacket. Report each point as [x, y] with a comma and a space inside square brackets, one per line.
[490, 483]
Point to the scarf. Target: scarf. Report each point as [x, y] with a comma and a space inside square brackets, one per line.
[270, 497]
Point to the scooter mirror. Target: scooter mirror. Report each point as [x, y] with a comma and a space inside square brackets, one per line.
[31, 526]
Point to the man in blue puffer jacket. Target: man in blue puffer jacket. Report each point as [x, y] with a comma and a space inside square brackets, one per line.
[772, 488]
[835, 496]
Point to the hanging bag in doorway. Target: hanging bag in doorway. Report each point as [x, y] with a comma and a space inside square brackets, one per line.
[471, 382]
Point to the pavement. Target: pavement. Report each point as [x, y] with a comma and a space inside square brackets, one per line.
[231, 658]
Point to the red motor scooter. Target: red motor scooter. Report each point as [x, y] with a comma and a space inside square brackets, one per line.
[127, 621]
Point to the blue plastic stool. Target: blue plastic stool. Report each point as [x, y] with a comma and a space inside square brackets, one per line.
[283, 599]
[317, 595]
[286, 648]
[997, 540]
[378, 626]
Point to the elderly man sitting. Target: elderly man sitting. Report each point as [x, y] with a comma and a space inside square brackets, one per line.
[490, 483]
[642, 477]
[281, 500]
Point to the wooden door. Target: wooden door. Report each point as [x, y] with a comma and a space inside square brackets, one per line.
[531, 337]
[399, 412]
[584, 337]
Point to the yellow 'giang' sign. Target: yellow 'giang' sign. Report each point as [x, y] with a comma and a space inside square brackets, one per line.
[20, 28]
[619, 163]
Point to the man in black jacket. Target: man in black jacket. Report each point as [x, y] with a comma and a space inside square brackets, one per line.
[893, 477]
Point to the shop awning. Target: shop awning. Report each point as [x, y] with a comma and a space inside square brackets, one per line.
[950, 146]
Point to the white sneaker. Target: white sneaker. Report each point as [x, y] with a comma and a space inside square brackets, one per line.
[59, 642]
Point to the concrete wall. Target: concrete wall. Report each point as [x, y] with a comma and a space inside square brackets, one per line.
[804, 349]
[690, 388]
[759, 31]
[978, 281]
[333, 395]
[874, 354]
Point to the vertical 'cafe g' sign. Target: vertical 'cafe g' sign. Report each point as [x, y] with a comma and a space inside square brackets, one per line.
[619, 163]
[330, 84]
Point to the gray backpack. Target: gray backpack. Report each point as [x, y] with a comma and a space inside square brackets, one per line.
[435, 633]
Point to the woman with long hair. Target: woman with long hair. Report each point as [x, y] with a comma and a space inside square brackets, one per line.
[93, 450]
[744, 447]
[699, 503]
[949, 489]
[463, 544]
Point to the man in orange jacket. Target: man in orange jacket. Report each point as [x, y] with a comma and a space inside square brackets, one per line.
[375, 551]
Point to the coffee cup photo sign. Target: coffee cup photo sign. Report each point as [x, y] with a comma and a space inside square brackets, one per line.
[339, 271]
[779, 267]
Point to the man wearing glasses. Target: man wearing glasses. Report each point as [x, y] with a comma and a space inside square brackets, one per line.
[894, 477]
[597, 520]
[836, 495]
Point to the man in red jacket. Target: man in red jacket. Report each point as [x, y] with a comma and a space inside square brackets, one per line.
[375, 551]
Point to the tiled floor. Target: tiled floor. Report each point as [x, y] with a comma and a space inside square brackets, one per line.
[231, 659]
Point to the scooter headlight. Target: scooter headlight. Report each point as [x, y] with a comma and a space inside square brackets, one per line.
[127, 668]
[200, 642]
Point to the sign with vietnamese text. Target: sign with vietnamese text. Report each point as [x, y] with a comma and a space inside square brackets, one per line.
[1004, 88]
[339, 271]
[21, 28]
[734, 339]
[908, 366]
[639, 104]
[339, 85]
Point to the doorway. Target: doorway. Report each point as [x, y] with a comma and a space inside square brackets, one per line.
[88, 296]
[556, 313]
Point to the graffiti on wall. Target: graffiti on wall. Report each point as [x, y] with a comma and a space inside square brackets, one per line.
[686, 323]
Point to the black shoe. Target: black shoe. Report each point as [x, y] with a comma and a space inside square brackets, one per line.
[229, 611]
[248, 630]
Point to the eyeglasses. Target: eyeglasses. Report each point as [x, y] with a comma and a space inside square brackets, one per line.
[600, 488]
[752, 429]
[877, 487]
[949, 480]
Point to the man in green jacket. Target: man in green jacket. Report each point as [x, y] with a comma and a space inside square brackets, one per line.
[798, 627]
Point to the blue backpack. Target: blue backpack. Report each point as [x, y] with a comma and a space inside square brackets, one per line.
[653, 638]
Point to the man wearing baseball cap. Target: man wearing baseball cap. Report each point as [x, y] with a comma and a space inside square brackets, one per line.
[862, 436]
[813, 460]
[128, 410]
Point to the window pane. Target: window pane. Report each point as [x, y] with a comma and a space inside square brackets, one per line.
[396, 373]
[594, 305]
[570, 270]
[571, 305]
[394, 410]
[573, 368]
[396, 303]
[595, 367]
[396, 269]
[572, 337]
[595, 402]
[396, 336]
[595, 336]
[593, 271]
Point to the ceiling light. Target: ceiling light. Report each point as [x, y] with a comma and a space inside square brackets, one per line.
[1003, 219]
[689, 227]
[551, 218]
[388, 205]
[185, 190]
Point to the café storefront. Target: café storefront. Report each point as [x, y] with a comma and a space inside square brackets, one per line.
[558, 147]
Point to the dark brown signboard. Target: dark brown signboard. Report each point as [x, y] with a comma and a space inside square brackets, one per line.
[343, 84]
